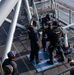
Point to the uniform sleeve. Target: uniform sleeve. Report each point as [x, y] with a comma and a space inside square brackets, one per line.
[15, 72]
[36, 36]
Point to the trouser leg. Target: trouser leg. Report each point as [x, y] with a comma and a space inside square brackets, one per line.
[60, 52]
[36, 55]
[44, 43]
[31, 56]
[51, 48]
[51, 55]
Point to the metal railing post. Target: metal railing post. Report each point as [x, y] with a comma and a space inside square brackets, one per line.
[69, 16]
[57, 11]
[66, 40]
[26, 2]
[11, 31]
[51, 4]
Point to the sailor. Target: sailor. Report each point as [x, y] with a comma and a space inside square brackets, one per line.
[45, 25]
[55, 34]
[33, 36]
[10, 62]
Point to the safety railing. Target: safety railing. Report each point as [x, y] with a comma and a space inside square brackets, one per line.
[64, 14]
[43, 6]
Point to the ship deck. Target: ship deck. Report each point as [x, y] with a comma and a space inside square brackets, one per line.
[22, 46]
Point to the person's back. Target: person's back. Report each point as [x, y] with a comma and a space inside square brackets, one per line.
[11, 62]
[8, 70]
[55, 42]
[57, 33]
